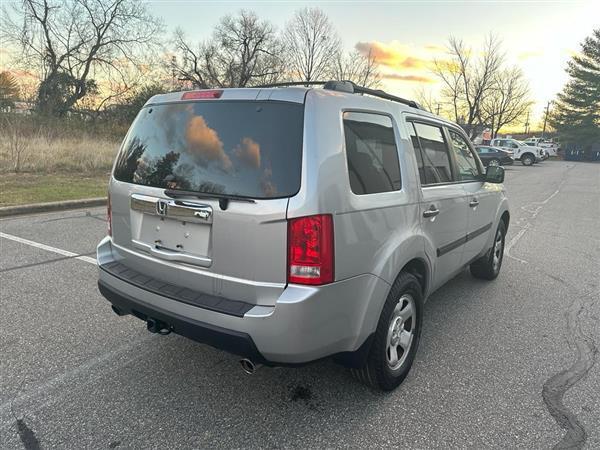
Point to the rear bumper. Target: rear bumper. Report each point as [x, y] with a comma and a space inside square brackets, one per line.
[229, 340]
[307, 323]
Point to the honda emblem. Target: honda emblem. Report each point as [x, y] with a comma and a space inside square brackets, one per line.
[161, 207]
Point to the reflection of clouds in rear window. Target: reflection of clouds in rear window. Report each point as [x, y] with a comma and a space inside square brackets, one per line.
[244, 148]
[266, 183]
[203, 143]
[248, 152]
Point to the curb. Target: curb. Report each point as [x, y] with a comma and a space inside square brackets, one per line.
[51, 206]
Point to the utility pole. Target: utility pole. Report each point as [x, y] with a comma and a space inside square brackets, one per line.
[545, 119]
[437, 111]
[527, 124]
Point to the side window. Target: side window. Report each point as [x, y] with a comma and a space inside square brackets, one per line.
[468, 169]
[436, 161]
[371, 153]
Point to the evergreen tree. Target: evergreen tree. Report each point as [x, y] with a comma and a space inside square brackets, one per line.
[9, 90]
[576, 117]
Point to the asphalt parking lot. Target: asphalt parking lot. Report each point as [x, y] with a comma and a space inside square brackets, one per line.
[492, 368]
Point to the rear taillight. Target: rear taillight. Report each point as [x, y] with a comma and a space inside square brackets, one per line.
[109, 215]
[202, 95]
[310, 250]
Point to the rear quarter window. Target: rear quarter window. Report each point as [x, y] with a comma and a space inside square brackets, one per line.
[371, 153]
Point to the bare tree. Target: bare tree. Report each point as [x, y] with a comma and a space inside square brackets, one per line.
[360, 69]
[507, 100]
[71, 41]
[425, 99]
[311, 45]
[115, 88]
[187, 64]
[243, 51]
[452, 87]
[468, 78]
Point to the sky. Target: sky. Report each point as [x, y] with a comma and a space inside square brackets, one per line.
[539, 37]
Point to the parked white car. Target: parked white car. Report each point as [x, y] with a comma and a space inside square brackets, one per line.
[551, 148]
[527, 154]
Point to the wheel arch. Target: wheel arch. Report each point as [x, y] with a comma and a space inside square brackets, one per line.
[505, 217]
[419, 268]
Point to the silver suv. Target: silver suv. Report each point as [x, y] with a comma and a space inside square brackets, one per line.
[288, 224]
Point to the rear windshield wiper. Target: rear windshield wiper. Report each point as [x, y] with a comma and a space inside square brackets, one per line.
[224, 199]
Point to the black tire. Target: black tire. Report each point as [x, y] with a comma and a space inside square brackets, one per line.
[377, 372]
[527, 159]
[484, 267]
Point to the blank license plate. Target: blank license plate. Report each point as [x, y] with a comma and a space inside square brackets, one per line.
[177, 236]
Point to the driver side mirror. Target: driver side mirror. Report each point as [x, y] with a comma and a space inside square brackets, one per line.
[494, 174]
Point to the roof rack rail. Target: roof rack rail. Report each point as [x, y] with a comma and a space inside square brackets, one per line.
[291, 83]
[348, 87]
[382, 94]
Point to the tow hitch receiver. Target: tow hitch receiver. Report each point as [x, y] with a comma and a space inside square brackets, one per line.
[158, 326]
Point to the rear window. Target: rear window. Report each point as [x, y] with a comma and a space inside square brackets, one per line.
[250, 149]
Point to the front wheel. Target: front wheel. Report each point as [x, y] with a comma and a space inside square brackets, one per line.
[488, 266]
[494, 162]
[527, 160]
[396, 337]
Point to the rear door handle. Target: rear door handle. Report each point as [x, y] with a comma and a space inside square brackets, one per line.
[431, 212]
[474, 202]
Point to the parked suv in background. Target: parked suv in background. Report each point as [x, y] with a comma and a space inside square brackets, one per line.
[289, 224]
[494, 156]
[527, 154]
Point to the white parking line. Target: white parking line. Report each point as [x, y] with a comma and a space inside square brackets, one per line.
[98, 365]
[48, 248]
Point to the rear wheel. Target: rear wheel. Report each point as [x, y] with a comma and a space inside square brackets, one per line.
[488, 266]
[396, 338]
[527, 159]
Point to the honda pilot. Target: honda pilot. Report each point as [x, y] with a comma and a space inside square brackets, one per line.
[287, 224]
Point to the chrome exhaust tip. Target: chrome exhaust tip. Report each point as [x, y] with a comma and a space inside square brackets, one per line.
[248, 366]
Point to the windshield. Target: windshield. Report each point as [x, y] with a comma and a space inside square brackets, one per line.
[244, 148]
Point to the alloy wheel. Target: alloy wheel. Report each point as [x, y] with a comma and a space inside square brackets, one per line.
[498, 251]
[401, 331]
